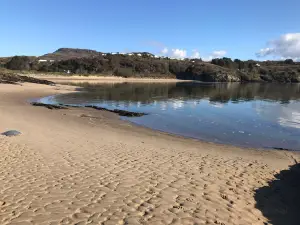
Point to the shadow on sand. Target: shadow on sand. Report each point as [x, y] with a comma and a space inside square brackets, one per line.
[280, 200]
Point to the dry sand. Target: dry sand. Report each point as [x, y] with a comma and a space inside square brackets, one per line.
[101, 79]
[82, 166]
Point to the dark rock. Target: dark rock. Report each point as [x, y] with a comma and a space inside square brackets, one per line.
[48, 106]
[11, 133]
[284, 149]
[34, 80]
[266, 78]
[118, 111]
[128, 114]
[11, 78]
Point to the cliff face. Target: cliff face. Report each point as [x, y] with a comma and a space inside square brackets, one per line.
[207, 72]
[280, 71]
[143, 64]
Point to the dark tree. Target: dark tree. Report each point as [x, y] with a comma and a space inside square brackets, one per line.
[19, 63]
[288, 61]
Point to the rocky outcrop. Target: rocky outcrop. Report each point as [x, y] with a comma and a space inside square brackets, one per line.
[117, 111]
[48, 106]
[11, 78]
[207, 72]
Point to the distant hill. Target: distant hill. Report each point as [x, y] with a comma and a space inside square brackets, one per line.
[146, 65]
[76, 53]
[70, 53]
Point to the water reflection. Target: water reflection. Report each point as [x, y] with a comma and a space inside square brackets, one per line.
[287, 115]
[255, 115]
[215, 92]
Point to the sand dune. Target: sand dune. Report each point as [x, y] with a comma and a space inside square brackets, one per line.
[82, 166]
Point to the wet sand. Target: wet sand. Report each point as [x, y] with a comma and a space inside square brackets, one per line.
[83, 166]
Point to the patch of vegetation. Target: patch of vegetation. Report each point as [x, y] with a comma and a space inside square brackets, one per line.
[19, 63]
[145, 65]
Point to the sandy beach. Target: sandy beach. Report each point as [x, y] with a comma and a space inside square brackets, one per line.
[100, 79]
[83, 166]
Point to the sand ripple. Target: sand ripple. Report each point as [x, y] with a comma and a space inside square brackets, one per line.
[117, 183]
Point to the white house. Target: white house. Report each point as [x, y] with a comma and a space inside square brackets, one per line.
[139, 54]
[42, 60]
[257, 64]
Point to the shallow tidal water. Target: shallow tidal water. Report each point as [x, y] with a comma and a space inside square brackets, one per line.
[249, 115]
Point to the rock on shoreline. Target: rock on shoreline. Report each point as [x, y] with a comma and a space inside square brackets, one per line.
[117, 111]
[11, 78]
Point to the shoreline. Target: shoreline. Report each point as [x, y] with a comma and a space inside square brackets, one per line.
[126, 113]
[81, 165]
[95, 79]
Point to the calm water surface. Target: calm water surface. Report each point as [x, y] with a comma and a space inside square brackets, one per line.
[252, 115]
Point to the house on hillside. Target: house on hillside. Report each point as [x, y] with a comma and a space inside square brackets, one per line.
[45, 60]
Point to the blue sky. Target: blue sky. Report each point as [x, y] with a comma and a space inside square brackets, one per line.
[232, 28]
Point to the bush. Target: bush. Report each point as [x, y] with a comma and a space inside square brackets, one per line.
[123, 72]
[288, 61]
[145, 65]
[19, 63]
[79, 66]
[224, 62]
[239, 64]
